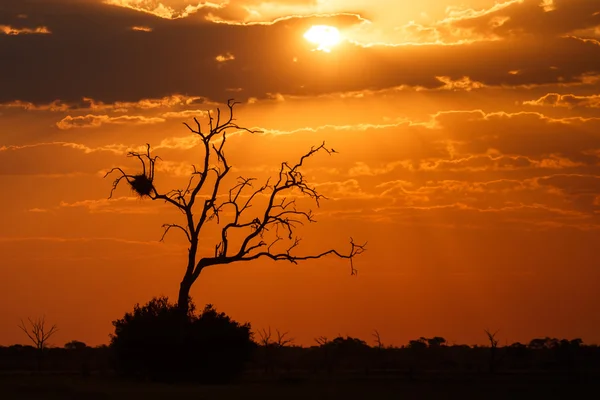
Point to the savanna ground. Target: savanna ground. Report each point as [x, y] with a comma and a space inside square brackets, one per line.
[350, 386]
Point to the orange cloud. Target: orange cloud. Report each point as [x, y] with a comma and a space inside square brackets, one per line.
[167, 9]
[186, 114]
[95, 121]
[584, 40]
[565, 100]
[56, 105]
[465, 83]
[503, 21]
[141, 29]
[87, 103]
[144, 104]
[120, 205]
[9, 30]
[116, 149]
[548, 5]
[224, 57]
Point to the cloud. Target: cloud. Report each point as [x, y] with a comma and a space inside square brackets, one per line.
[90, 104]
[584, 40]
[95, 121]
[273, 58]
[548, 5]
[167, 9]
[58, 160]
[186, 114]
[37, 210]
[505, 20]
[348, 189]
[487, 162]
[58, 239]
[224, 57]
[141, 28]
[56, 106]
[464, 83]
[565, 100]
[117, 149]
[363, 169]
[9, 30]
[120, 205]
[175, 100]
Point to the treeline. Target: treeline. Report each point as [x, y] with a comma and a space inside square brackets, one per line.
[339, 354]
[157, 342]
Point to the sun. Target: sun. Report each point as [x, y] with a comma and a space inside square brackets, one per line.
[324, 36]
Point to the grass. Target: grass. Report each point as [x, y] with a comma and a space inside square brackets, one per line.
[520, 386]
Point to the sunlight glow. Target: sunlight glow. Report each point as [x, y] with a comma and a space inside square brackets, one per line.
[324, 36]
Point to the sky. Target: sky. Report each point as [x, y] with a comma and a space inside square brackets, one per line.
[468, 157]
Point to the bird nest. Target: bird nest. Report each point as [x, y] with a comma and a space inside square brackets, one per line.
[141, 185]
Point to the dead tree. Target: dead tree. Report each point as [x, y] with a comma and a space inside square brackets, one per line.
[271, 233]
[493, 349]
[37, 332]
[378, 341]
[273, 347]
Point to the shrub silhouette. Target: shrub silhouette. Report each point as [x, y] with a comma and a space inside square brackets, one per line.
[157, 342]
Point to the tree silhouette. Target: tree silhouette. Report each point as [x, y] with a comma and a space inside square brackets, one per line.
[153, 341]
[378, 341]
[493, 348]
[37, 331]
[75, 345]
[265, 233]
[272, 346]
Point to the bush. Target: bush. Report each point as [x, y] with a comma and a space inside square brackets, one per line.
[157, 342]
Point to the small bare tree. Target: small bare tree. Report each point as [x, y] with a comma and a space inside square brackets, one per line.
[322, 340]
[378, 341]
[493, 348]
[282, 339]
[263, 234]
[272, 346]
[37, 331]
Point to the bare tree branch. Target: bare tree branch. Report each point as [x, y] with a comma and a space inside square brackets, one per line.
[168, 227]
[265, 337]
[36, 331]
[263, 233]
[321, 340]
[282, 341]
[378, 341]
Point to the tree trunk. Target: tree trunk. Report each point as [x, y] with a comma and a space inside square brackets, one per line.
[184, 296]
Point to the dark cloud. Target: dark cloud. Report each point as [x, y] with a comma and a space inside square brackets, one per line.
[548, 18]
[94, 52]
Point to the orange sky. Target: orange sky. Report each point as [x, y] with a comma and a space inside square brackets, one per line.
[469, 146]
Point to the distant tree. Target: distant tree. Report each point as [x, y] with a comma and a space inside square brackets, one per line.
[264, 233]
[154, 342]
[378, 341]
[267, 339]
[81, 353]
[75, 345]
[420, 343]
[436, 341]
[537, 343]
[272, 346]
[344, 351]
[38, 332]
[576, 343]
